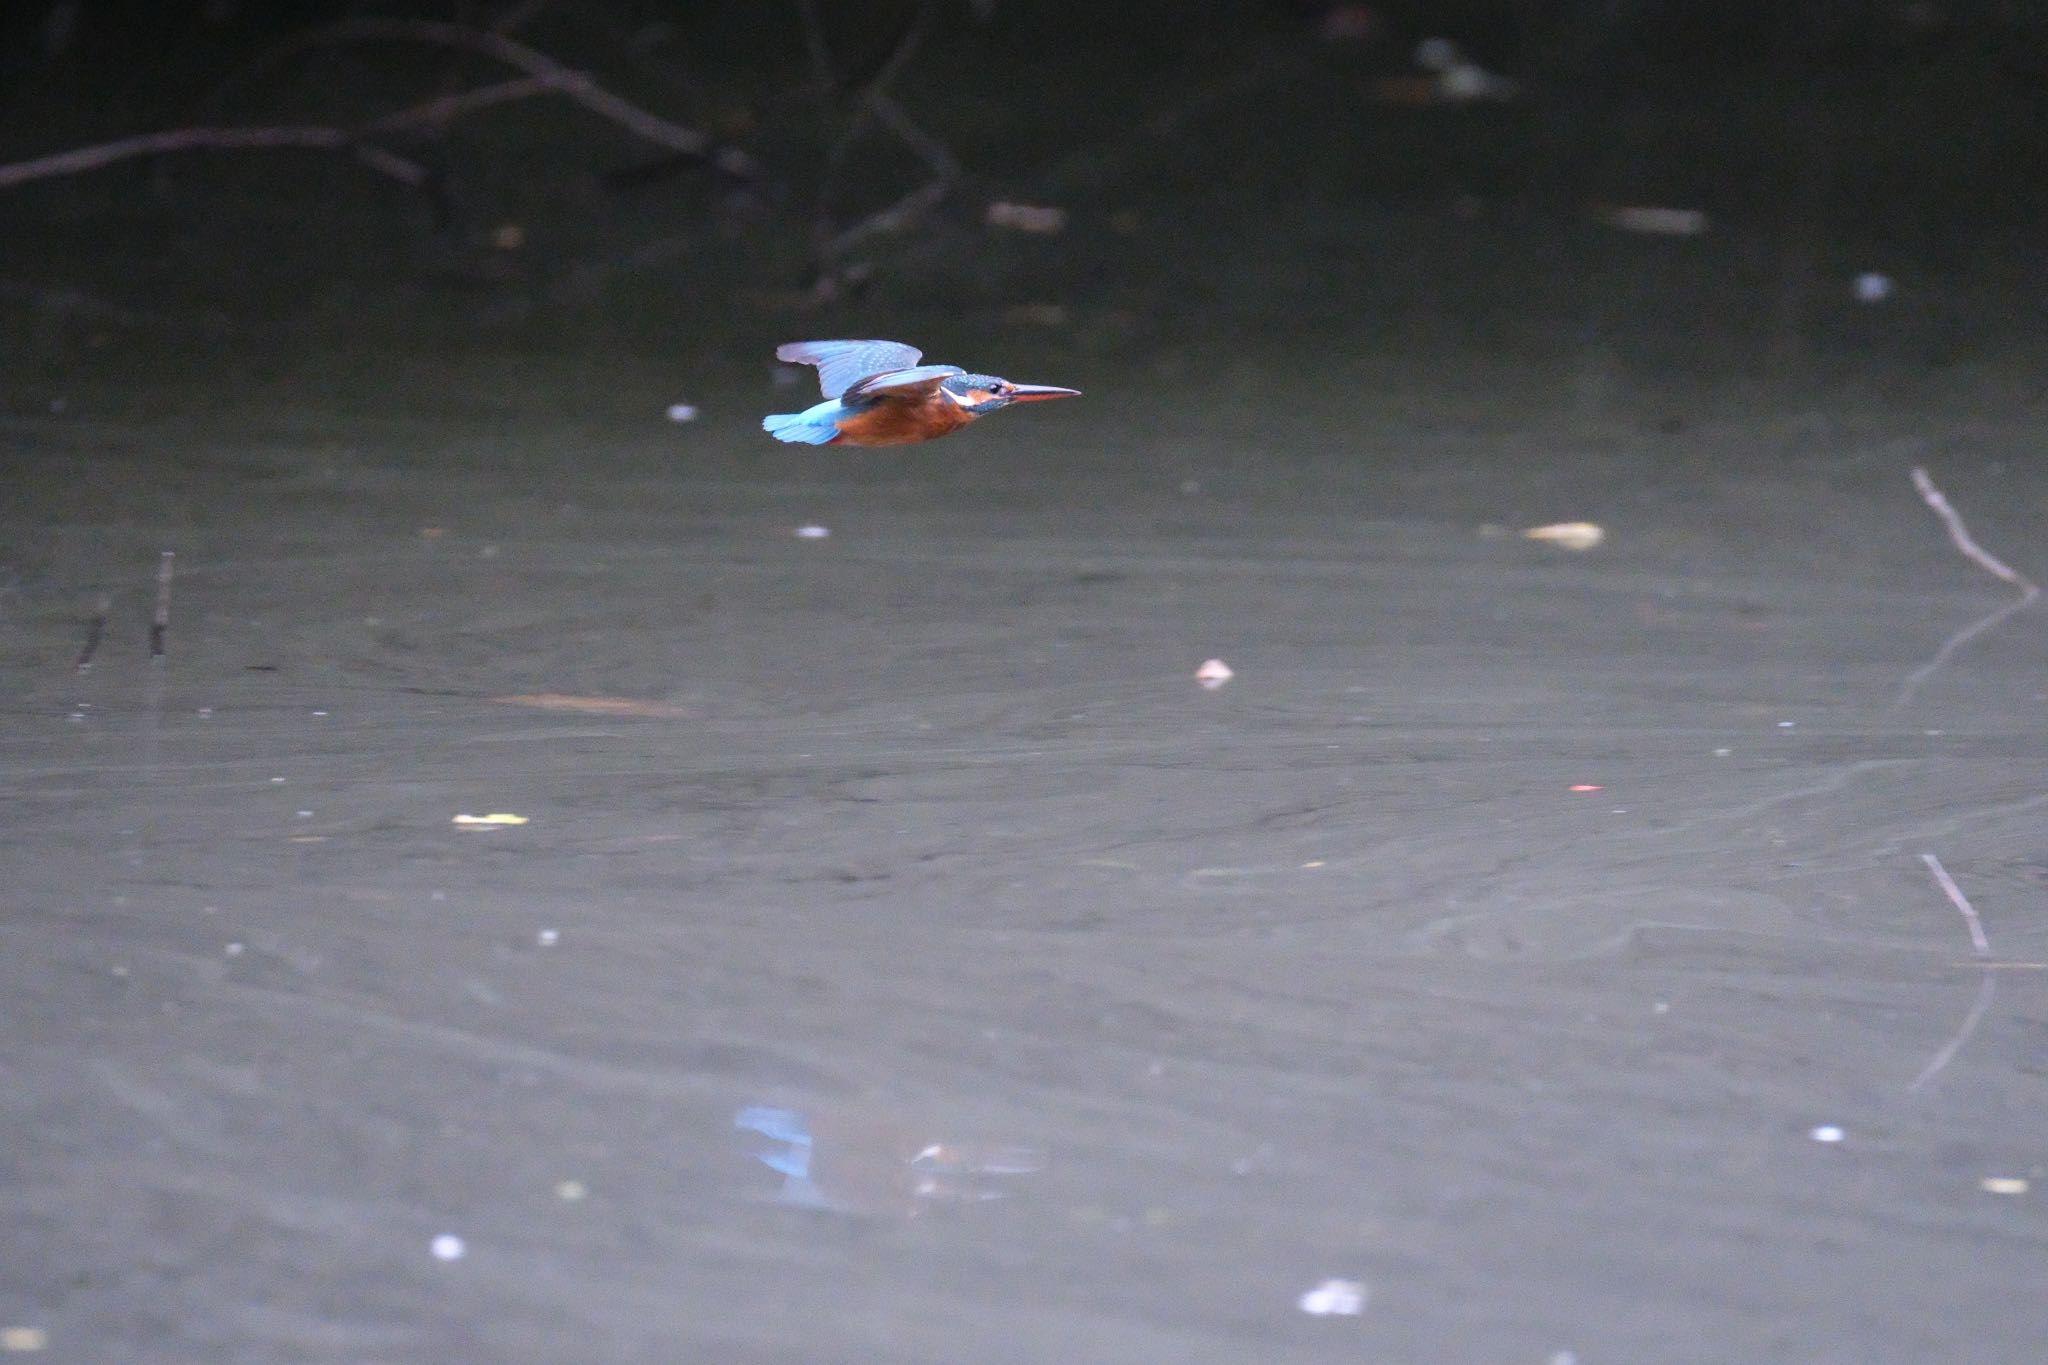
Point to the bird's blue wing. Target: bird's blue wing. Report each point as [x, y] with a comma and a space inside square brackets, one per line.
[842, 364]
[898, 382]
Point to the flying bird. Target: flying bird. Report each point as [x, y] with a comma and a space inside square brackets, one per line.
[876, 394]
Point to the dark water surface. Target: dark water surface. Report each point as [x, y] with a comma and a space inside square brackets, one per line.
[1117, 1013]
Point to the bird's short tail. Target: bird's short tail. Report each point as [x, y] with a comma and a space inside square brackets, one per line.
[801, 428]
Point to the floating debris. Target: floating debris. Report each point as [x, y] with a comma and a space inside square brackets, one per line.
[1827, 1132]
[1459, 79]
[2004, 1184]
[1214, 673]
[1039, 218]
[1656, 222]
[1334, 1299]
[813, 532]
[448, 1247]
[1037, 315]
[682, 412]
[1568, 535]
[495, 820]
[1871, 287]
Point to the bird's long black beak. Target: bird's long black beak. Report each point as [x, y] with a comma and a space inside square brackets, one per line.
[1035, 393]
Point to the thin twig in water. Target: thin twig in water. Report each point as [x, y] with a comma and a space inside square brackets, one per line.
[1961, 902]
[1983, 559]
[1960, 534]
[1985, 991]
[95, 629]
[160, 622]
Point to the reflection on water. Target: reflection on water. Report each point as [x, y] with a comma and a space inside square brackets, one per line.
[846, 1162]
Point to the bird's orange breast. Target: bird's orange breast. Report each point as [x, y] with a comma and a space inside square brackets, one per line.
[900, 422]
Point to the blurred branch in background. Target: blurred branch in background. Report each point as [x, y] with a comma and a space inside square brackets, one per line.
[869, 101]
[544, 76]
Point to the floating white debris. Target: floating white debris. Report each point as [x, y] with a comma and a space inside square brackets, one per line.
[1569, 535]
[1827, 1132]
[492, 821]
[2004, 1184]
[548, 938]
[1871, 287]
[682, 412]
[1657, 222]
[23, 1339]
[569, 1191]
[1214, 673]
[813, 532]
[1039, 218]
[448, 1247]
[1335, 1298]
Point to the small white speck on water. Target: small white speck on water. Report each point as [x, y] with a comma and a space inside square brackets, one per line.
[205, 712]
[319, 713]
[813, 532]
[1787, 724]
[24, 1338]
[548, 938]
[1827, 1132]
[276, 781]
[1334, 1298]
[569, 1191]
[682, 412]
[234, 950]
[303, 814]
[448, 1247]
[1722, 753]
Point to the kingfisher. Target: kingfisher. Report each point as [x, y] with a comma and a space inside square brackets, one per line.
[876, 394]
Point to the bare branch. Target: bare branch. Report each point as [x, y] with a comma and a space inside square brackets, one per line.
[81, 159]
[549, 74]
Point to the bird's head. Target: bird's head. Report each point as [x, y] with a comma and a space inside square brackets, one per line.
[980, 394]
